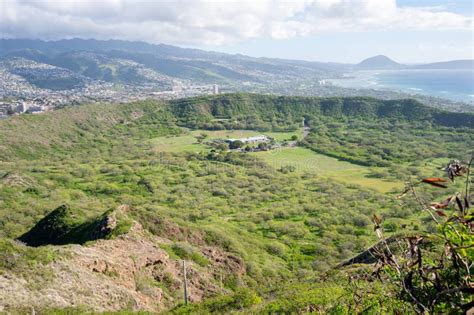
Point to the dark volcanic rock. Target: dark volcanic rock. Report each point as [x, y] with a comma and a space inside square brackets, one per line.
[67, 226]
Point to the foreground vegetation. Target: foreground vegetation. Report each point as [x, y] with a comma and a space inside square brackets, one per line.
[290, 226]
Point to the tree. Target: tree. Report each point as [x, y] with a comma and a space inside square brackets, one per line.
[236, 144]
[262, 146]
[201, 137]
[222, 147]
[287, 169]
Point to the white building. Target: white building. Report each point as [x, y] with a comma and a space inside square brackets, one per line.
[255, 139]
[177, 86]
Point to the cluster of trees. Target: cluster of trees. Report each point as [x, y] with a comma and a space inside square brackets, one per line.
[386, 143]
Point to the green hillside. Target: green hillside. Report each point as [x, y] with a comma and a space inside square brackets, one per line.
[286, 110]
[282, 230]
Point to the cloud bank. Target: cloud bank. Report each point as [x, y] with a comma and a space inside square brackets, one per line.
[215, 23]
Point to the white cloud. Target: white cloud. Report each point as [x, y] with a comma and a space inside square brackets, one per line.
[213, 23]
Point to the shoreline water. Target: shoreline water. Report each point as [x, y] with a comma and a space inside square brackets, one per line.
[455, 85]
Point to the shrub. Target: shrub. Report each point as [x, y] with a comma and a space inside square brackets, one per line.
[186, 251]
[276, 249]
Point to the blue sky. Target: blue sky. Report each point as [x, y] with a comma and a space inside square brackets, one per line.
[409, 31]
[402, 46]
[464, 7]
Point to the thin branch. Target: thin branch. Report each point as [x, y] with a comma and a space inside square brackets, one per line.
[466, 289]
[467, 175]
[422, 204]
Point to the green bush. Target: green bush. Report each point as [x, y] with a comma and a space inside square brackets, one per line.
[186, 251]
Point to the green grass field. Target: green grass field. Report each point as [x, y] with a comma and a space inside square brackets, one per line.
[305, 161]
[187, 142]
[281, 136]
[181, 143]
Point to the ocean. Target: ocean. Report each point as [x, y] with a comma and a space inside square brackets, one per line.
[456, 85]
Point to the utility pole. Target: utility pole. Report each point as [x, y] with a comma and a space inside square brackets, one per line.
[185, 283]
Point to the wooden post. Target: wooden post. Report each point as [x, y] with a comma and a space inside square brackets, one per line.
[222, 287]
[185, 283]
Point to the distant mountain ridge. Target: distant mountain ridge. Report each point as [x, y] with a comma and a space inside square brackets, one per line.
[75, 44]
[378, 62]
[18, 46]
[382, 62]
[125, 62]
[453, 64]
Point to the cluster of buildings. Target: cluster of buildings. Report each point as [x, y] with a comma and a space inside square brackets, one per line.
[56, 87]
[324, 82]
[249, 144]
[251, 140]
[33, 106]
[181, 89]
[17, 96]
[253, 143]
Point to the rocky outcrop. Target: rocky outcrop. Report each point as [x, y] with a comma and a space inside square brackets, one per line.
[130, 271]
[69, 226]
[11, 179]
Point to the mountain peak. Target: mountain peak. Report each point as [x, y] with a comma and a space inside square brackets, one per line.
[378, 62]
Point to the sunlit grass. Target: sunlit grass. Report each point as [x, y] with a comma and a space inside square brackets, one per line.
[307, 161]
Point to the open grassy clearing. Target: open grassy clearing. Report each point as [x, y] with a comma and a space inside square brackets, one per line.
[187, 142]
[282, 136]
[307, 161]
[180, 143]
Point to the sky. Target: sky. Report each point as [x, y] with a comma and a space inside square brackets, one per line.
[409, 31]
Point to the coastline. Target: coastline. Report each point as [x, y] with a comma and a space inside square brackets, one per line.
[455, 85]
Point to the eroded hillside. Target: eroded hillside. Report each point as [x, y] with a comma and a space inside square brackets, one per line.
[131, 270]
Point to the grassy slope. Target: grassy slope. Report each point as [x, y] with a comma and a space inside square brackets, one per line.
[83, 131]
